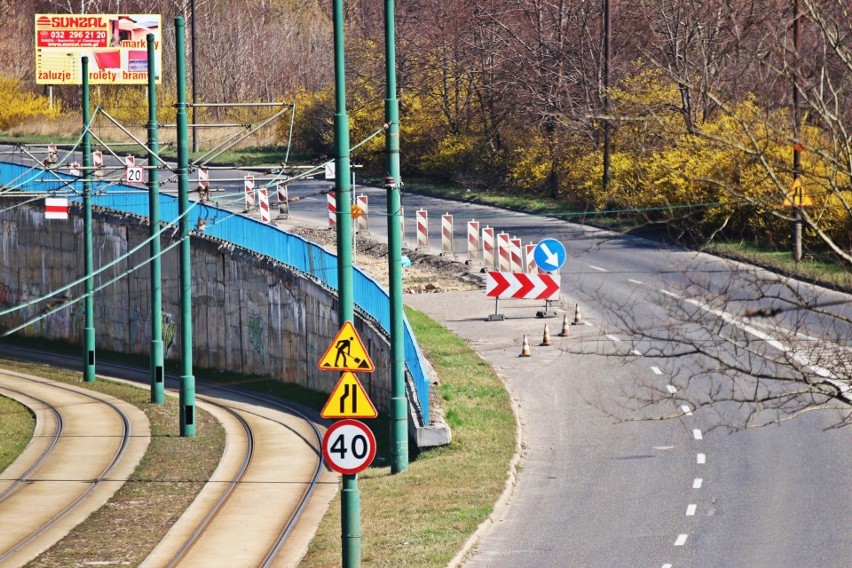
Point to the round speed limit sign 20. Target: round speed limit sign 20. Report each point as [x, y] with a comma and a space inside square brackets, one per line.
[348, 446]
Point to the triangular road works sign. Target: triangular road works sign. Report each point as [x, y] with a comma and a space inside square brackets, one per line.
[346, 353]
[797, 196]
[349, 400]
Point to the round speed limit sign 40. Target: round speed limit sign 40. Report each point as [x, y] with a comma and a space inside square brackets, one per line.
[349, 446]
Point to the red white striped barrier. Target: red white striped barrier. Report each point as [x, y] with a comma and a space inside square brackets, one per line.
[473, 240]
[129, 161]
[52, 155]
[283, 201]
[98, 162]
[529, 255]
[517, 261]
[363, 224]
[55, 208]
[203, 183]
[332, 209]
[488, 247]
[504, 260]
[521, 286]
[248, 185]
[263, 197]
[447, 234]
[74, 169]
[422, 229]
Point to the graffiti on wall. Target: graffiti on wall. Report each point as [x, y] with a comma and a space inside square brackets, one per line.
[6, 298]
[169, 332]
[256, 333]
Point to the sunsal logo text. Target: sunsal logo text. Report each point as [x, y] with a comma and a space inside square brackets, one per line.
[82, 22]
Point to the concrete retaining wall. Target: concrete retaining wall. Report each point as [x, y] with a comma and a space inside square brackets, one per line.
[250, 315]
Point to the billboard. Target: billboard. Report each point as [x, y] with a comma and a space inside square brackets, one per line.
[116, 45]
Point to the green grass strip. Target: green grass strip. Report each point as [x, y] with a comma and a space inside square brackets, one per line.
[423, 517]
[17, 425]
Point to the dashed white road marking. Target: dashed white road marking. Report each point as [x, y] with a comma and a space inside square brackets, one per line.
[686, 410]
[667, 566]
[690, 510]
[681, 539]
[671, 388]
[637, 353]
[598, 268]
[670, 294]
[613, 338]
[656, 370]
[696, 433]
[696, 483]
[663, 447]
[634, 281]
[701, 458]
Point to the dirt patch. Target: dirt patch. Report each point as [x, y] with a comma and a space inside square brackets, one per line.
[428, 273]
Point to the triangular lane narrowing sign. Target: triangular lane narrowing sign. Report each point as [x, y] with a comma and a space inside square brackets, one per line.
[349, 400]
[346, 353]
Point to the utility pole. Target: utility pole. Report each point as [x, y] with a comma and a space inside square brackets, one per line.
[796, 199]
[157, 370]
[350, 502]
[89, 330]
[399, 402]
[607, 176]
[194, 82]
[187, 380]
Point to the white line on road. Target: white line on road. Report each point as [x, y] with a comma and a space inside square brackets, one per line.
[686, 410]
[598, 268]
[637, 353]
[681, 539]
[696, 483]
[690, 510]
[634, 281]
[701, 458]
[656, 370]
[697, 434]
[613, 338]
[671, 388]
[667, 566]
[670, 294]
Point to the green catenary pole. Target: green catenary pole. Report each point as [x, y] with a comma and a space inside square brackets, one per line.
[187, 381]
[350, 502]
[399, 403]
[157, 371]
[89, 330]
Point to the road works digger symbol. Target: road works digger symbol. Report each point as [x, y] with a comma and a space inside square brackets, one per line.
[346, 353]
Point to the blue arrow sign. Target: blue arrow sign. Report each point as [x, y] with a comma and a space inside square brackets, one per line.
[549, 255]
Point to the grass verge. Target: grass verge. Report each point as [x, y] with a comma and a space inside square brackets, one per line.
[17, 425]
[168, 478]
[422, 517]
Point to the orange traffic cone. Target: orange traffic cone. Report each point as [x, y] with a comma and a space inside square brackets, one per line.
[546, 339]
[525, 350]
[564, 332]
[578, 318]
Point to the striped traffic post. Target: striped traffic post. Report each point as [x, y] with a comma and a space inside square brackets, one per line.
[98, 163]
[529, 265]
[504, 260]
[422, 229]
[332, 209]
[263, 196]
[248, 185]
[488, 247]
[130, 161]
[203, 183]
[473, 240]
[447, 234]
[516, 262]
[363, 224]
[283, 201]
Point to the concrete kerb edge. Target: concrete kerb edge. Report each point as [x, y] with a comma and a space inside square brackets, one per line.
[501, 506]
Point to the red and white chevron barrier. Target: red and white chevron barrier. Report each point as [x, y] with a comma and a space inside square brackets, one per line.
[422, 229]
[447, 234]
[504, 258]
[515, 253]
[332, 209]
[473, 240]
[521, 286]
[263, 196]
[362, 221]
[488, 247]
[74, 169]
[283, 201]
[248, 185]
[129, 161]
[98, 163]
[203, 182]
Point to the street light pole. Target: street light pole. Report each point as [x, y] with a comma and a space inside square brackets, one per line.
[157, 368]
[88, 255]
[194, 82]
[796, 198]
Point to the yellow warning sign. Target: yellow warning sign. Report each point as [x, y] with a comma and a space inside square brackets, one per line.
[349, 400]
[346, 353]
[796, 196]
